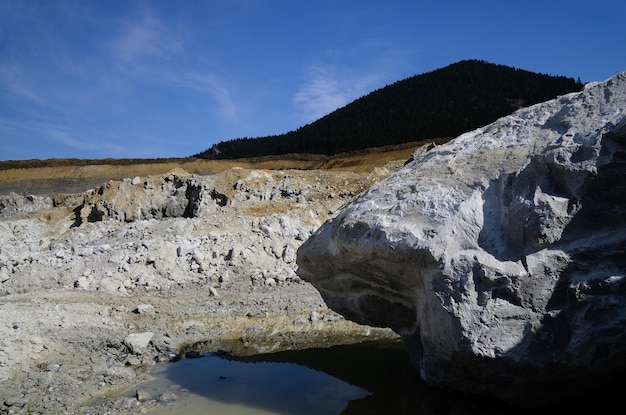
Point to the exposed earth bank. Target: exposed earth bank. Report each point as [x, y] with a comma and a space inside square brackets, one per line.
[98, 285]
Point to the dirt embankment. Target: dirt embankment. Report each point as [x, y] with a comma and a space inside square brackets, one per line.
[41, 177]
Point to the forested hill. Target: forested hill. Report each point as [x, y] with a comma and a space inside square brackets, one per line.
[443, 103]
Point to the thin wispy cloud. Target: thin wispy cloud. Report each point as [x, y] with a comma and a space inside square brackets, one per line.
[14, 81]
[326, 90]
[148, 49]
[145, 37]
[211, 84]
[98, 146]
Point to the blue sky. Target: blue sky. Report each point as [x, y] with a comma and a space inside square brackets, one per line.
[148, 79]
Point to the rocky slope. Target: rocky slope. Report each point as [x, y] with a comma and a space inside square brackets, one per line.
[97, 287]
[498, 257]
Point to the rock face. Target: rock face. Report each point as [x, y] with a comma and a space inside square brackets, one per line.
[97, 287]
[159, 232]
[498, 257]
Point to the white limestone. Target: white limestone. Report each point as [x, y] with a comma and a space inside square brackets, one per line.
[492, 255]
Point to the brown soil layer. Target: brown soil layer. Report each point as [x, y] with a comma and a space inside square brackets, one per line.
[73, 175]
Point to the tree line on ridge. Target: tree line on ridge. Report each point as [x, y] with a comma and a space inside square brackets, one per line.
[443, 103]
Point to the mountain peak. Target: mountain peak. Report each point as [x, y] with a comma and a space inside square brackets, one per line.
[442, 103]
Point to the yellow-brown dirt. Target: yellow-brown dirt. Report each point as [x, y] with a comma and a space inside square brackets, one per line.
[103, 170]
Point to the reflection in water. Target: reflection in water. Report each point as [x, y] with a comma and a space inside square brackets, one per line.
[380, 368]
[277, 387]
[368, 378]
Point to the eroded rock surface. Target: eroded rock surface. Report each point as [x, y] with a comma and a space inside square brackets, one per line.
[98, 287]
[498, 257]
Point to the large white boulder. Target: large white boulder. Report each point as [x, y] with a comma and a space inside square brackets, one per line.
[500, 257]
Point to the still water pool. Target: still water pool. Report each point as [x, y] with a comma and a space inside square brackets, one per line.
[366, 378]
[371, 377]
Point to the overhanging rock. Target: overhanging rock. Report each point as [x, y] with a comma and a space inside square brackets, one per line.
[499, 257]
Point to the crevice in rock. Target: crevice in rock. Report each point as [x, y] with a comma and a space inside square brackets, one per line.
[220, 198]
[193, 195]
[78, 220]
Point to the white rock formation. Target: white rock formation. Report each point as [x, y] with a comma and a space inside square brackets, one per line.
[498, 257]
[175, 230]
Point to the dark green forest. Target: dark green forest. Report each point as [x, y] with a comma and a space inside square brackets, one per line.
[443, 103]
